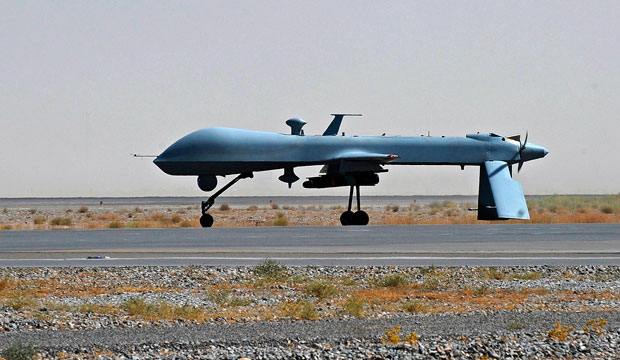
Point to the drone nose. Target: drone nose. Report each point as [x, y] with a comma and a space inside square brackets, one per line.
[533, 151]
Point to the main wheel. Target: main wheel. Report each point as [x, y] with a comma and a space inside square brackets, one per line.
[346, 218]
[206, 220]
[360, 218]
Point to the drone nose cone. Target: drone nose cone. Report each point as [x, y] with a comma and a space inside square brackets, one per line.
[533, 151]
[160, 160]
[163, 164]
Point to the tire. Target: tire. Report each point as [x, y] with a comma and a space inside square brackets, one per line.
[206, 220]
[347, 218]
[207, 183]
[360, 218]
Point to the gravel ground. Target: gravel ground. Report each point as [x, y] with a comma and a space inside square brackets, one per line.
[465, 312]
[442, 336]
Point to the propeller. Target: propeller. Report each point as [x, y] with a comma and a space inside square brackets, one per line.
[521, 152]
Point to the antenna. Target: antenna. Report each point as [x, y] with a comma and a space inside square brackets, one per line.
[143, 156]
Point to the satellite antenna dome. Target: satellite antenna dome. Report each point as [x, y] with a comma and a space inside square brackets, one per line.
[296, 124]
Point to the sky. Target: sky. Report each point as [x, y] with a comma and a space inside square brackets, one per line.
[85, 83]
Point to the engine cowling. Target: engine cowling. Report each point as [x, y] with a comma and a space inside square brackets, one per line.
[207, 182]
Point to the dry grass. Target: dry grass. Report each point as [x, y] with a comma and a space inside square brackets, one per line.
[115, 225]
[321, 289]
[434, 294]
[109, 217]
[187, 223]
[525, 275]
[393, 280]
[491, 273]
[20, 351]
[554, 209]
[223, 298]
[469, 299]
[382, 296]
[301, 310]
[271, 269]
[607, 210]
[89, 285]
[61, 221]
[6, 283]
[19, 300]
[354, 306]
[414, 306]
[574, 217]
[281, 220]
[162, 310]
[436, 290]
[564, 203]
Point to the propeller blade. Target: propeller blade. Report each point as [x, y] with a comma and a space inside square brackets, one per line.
[521, 152]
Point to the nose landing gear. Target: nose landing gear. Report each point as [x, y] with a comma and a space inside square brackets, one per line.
[359, 217]
[206, 220]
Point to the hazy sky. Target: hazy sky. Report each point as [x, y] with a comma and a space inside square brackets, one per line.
[84, 84]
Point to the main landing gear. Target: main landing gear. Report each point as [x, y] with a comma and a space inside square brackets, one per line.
[359, 217]
[206, 220]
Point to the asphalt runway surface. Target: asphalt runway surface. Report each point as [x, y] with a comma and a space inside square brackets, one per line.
[504, 244]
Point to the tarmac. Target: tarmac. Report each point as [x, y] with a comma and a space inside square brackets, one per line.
[470, 245]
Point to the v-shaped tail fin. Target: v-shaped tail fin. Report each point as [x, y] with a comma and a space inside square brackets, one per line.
[334, 126]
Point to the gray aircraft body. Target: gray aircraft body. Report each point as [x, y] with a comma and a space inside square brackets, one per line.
[352, 161]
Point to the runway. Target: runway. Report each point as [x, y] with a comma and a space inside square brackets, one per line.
[503, 244]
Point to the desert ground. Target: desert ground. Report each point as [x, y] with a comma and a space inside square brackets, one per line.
[548, 209]
[271, 311]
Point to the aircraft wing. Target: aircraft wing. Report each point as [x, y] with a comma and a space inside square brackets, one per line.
[365, 156]
[500, 197]
[350, 168]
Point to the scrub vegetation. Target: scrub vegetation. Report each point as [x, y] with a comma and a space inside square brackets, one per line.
[543, 209]
[321, 289]
[281, 219]
[19, 351]
[161, 310]
[272, 291]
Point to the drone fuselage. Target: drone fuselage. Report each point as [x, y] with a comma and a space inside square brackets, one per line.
[225, 151]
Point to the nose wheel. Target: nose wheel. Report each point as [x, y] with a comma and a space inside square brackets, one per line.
[360, 217]
[206, 220]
